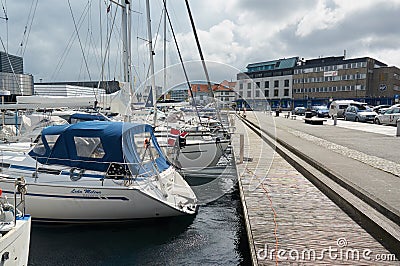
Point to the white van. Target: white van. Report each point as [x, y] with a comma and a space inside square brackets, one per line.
[339, 106]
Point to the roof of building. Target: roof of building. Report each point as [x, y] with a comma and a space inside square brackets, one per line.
[333, 60]
[222, 88]
[110, 85]
[273, 65]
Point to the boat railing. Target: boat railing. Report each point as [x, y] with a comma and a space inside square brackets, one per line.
[19, 202]
[128, 172]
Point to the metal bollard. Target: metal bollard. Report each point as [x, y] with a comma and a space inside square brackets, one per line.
[398, 128]
[334, 120]
[241, 157]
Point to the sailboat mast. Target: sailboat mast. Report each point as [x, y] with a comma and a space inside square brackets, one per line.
[129, 34]
[153, 79]
[125, 46]
[165, 49]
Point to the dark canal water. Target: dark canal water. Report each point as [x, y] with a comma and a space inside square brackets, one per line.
[215, 236]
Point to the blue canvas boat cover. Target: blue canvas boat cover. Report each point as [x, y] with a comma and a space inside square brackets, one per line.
[94, 145]
[80, 117]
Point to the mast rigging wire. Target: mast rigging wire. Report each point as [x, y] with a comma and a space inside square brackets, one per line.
[181, 60]
[12, 69]
[155, 43]
[202, 57]
[80, 43]
[71, 40]
[6, 19]
[29, 21]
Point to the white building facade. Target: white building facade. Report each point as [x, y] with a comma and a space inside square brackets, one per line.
[268, 84]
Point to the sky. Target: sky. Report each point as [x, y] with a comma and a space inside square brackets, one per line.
[232, 34]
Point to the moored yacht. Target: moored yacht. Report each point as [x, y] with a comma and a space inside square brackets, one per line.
[97, 171]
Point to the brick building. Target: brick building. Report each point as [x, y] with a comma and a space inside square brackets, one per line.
[319, 81]
[287, 83]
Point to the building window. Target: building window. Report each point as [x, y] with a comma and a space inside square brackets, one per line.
[276, 93]
[266, 93]
[248, 94]
[249, 86]
[286, 92]
[258, 84]
[241, 86]
[266, 84]
[286, 83]
[257, 93]
[226, 99]
[276, 83]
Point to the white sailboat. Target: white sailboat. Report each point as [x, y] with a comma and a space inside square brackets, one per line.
[196, 153]
[97, 171]
[191, 147]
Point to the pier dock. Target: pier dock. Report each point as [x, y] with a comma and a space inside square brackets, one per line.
[306, 189]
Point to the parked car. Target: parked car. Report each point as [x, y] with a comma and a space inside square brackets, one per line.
[380, 109]
[338, 107]
[390, 117]
[320, 111]
[299, 110]
[359, 113]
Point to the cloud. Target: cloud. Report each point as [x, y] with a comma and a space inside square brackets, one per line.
[234, 32]
[325, 15]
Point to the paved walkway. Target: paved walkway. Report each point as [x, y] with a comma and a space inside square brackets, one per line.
[284, 211]
[367, 161]
[366, 127]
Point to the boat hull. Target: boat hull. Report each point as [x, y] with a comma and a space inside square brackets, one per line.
[14, 245]
[198, 155]
[56, 203]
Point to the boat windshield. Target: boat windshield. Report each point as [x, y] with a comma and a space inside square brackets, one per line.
[142, 152]
[40, 147]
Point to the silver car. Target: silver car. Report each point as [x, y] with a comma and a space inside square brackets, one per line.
[360, 113]
[389, 117]
[299, 110]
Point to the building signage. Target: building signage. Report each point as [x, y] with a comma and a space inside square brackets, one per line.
[330, 73]
[382, 87]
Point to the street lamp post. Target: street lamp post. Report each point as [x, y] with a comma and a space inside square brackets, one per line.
[304, 92]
